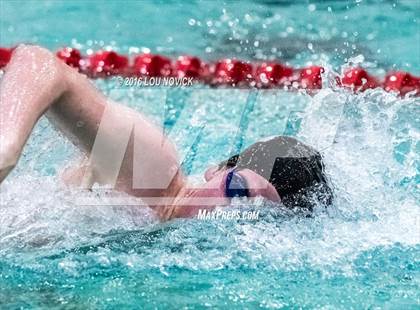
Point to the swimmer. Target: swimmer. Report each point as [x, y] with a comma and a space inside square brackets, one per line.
[35, 83]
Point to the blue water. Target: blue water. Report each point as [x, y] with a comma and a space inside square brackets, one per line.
[57, 250]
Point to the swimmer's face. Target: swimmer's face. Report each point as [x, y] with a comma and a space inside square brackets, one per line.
[215, 186]
[213, 192]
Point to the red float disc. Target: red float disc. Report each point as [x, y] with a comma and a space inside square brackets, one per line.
[105, 63]
[310, 77]
[358, 79]
[232, 72]
[152, 65]
[402, 82]
[70, 56]
[5, 55]
[188, 66]
[272, 74]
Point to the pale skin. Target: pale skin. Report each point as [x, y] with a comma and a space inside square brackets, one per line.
[37, 83]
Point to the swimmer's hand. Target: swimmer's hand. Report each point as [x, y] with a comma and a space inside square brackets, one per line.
[8, 160]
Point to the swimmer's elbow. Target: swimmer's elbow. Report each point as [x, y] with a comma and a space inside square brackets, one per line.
[39, 64]
[31, 53]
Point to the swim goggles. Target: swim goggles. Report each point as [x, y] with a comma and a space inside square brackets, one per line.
[236, 185]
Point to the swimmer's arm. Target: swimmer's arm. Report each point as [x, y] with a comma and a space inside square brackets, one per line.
[36, 82]
[23, 100]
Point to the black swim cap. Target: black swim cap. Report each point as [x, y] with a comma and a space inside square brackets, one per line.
[295, 170]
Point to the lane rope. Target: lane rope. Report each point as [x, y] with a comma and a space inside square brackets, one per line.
[225, 72]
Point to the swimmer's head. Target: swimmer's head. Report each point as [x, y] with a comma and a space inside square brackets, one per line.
[294, 169]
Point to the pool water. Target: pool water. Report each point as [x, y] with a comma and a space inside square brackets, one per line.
[57, 249]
